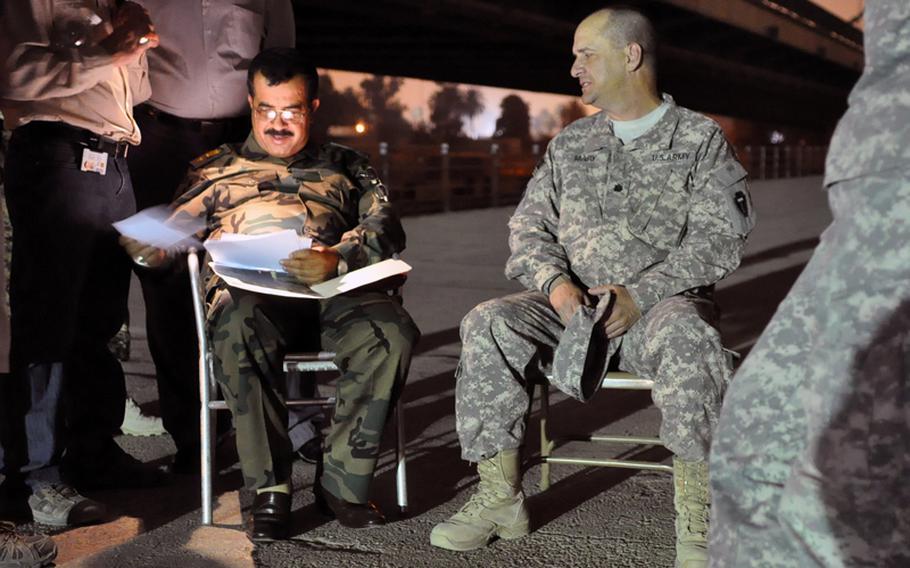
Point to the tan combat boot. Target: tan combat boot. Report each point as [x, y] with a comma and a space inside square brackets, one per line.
[497, 508]
[692, 501]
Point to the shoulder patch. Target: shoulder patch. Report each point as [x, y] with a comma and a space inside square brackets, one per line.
[356, 166]
[208, 157]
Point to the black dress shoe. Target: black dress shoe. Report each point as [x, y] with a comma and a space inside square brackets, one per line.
[351, 515]
[271, 517]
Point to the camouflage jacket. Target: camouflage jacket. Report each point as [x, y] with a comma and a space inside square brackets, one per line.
[244, 190]
[874, 135]
[668, 212]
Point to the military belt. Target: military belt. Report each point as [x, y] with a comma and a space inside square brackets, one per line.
[79, 136]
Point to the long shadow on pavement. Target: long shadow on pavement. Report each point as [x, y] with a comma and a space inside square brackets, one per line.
[748, 307]
[582, 486]
[780, 251]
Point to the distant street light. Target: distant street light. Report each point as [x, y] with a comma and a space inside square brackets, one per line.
[360, 128]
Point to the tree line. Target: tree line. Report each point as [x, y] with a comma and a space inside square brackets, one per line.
[452, 108]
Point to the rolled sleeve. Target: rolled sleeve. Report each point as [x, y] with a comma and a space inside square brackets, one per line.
[36, 69]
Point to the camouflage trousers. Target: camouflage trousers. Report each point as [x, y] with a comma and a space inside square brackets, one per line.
[509, 342]
[372, 336]
[812, 456]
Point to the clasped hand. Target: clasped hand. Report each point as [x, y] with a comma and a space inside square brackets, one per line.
[566, 298]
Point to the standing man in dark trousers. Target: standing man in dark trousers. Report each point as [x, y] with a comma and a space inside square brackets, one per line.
[70, 74]
[198, 102]
[24, 549]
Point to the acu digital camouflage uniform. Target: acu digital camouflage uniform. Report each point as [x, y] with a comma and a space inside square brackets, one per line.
[812, 457]
[243, 190]
[666, 216]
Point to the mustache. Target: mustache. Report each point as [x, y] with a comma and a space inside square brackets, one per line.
[274, 132]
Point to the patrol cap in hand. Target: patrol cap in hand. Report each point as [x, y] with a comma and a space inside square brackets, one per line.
[581, 357]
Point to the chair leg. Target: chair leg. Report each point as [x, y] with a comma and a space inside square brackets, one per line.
[205, 459]
[546, 445]
[401, 473]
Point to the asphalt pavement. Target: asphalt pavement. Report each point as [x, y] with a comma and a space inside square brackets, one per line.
[589, 517]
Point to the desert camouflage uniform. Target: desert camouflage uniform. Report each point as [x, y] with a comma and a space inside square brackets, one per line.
[243, 190]
[812, 457]
[666, 216]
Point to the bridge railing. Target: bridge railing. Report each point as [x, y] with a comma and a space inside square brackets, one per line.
[433, 178]
[780, 161]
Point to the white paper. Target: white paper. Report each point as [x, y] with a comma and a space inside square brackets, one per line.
[153, 226]
[282, 284]
[256, 252]
[361, 277]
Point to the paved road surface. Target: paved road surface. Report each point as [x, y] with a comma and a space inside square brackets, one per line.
[590, 517]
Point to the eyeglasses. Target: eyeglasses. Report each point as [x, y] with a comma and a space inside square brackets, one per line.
[287, 115]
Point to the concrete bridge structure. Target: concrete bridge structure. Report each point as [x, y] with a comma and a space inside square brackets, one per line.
[778, 61]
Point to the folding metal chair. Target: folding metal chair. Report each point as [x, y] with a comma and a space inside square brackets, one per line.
[613, 380]
[294, 364]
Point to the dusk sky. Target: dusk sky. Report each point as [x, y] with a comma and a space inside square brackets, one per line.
[416, 92]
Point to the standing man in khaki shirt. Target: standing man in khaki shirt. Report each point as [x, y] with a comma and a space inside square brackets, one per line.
[199, 102]
[71, 73]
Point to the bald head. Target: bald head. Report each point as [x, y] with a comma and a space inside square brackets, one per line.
[615, 63]
[622, 26]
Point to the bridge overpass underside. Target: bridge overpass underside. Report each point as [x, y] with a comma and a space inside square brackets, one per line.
[778, 61]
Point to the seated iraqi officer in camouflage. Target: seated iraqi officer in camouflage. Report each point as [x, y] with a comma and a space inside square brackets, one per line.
[645, 202]
[271, 183]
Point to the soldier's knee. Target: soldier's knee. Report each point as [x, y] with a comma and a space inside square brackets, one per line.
[403, 335]
[482, 319]
[388, 326]
[687, 330]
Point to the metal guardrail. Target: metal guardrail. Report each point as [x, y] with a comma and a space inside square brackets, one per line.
[779, 161]
[433, 178]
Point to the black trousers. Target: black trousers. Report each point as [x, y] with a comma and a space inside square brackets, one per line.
[68, 294]
[158, 166]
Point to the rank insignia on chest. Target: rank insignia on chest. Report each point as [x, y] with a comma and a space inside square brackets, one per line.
[208, 157]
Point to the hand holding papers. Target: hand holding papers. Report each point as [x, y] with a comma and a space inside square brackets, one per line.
[153, 226]
[149, 234]
[256, 252]
[255, 263]
[249, 262]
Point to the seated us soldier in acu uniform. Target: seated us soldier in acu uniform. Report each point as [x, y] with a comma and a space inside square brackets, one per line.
[271, 183]
[638, 209]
